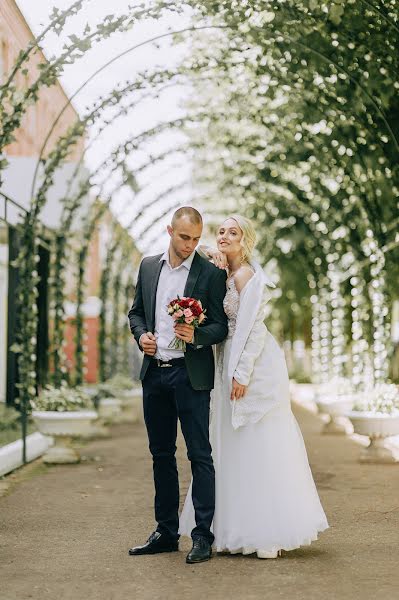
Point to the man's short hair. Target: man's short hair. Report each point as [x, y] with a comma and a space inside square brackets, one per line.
[187, 211]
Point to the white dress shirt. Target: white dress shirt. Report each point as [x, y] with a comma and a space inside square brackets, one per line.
[170, 285]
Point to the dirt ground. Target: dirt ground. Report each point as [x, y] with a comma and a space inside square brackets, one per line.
[65, 531]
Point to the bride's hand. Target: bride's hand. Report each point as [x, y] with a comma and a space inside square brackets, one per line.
[219, 259]
[238, 391]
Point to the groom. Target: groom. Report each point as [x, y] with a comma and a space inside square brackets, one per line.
[177, 385]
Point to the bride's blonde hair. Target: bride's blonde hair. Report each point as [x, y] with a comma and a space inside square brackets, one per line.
[248, 240]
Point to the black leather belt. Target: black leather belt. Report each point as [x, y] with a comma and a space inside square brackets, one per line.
[173, 362]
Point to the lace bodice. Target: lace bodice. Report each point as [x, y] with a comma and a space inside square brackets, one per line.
[231, 303]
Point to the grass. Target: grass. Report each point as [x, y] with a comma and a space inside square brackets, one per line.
[12, 435]
[35, 468]
[10, 425]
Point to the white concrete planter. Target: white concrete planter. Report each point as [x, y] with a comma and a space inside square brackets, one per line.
[336, 408]
[127, 394]
[97, 431]
[63, 426]
[322, 389]
[109, 410]
[377, 427]
[306, 390]
[303, 394]
[11, 454]
[131, 405]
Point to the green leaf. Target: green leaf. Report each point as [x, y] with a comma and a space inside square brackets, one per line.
[16, 348]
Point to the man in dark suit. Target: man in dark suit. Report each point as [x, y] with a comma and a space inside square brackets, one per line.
[176, 384]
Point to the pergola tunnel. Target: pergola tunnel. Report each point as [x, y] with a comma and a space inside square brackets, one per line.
[291, 119]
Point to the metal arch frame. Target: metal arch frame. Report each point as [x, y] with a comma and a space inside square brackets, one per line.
[9, 200]
[122, 112]
[37, 40]
[135, 141]
[131, 141]
[97, 72]
[320, 55]
[304, 46]
[308, 208]
[361, 199]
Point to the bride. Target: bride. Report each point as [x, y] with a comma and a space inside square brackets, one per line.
[266, 499]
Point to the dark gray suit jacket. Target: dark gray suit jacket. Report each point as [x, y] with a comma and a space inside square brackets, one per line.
[205, 282]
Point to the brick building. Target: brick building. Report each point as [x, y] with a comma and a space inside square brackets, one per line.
[99, 244]
[15, 195]
[15, 35]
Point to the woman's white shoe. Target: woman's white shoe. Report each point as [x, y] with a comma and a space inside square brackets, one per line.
[268, 554]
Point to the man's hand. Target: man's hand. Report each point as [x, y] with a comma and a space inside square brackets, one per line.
[184, 332]
[237, 391]
[148, 343]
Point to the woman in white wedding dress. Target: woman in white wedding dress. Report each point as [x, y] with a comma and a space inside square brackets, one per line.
[266, 499]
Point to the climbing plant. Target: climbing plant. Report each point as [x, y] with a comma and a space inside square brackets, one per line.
[294, 121]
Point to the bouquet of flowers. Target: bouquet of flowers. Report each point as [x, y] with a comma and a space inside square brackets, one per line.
[188, 311]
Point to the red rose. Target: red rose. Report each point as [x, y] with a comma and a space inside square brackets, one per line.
[196, 309]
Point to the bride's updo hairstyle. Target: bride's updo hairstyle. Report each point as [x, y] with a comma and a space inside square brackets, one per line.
[248, 240]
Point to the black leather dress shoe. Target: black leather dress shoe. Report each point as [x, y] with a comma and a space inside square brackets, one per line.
[200, 552]
[156, 543]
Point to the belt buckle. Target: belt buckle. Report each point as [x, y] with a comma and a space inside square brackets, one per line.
[160, 364]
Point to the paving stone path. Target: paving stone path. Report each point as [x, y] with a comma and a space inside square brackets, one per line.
[65, 531]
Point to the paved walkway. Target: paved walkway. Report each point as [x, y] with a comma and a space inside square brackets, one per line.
[65, 531]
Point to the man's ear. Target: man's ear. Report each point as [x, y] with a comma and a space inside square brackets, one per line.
[170, 230]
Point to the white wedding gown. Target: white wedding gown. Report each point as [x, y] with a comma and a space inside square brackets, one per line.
[266, 499]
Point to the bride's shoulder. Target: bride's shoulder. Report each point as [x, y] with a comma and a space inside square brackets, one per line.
[242, 276]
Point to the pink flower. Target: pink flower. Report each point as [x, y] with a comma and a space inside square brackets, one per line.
[187, 312]
[189, 320]
[179, 313]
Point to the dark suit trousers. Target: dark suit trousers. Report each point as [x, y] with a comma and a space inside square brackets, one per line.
[167, 397]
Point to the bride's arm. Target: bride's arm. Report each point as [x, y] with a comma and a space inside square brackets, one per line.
[213, 254]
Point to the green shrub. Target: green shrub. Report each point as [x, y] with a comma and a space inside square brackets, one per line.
[62, 399]
[9, 418]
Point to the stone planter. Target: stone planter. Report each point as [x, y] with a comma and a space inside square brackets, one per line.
[336, 407]
[109, 410]
[63, 426]
[131, 405]
[378, 427]
[303, 394]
